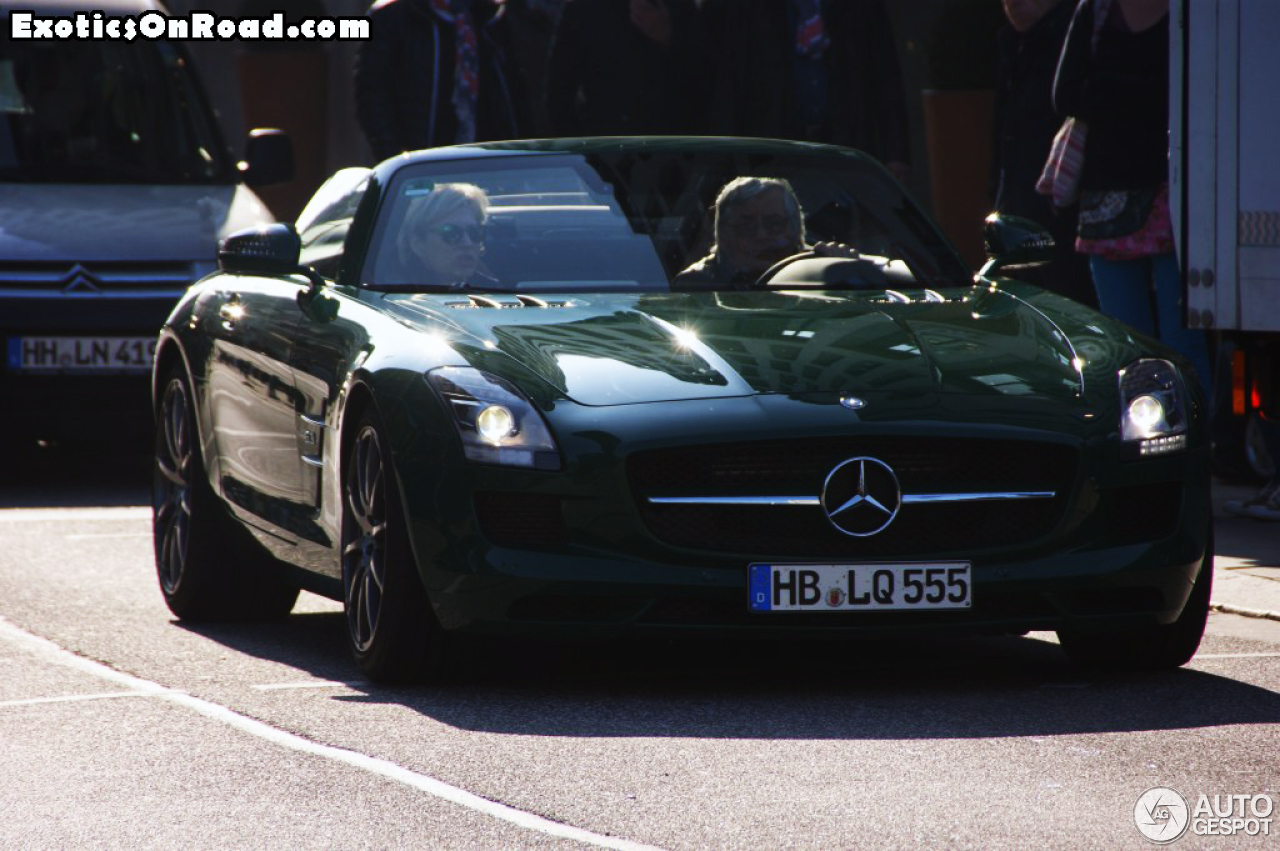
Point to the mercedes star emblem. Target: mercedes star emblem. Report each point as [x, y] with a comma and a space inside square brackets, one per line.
[861, 496]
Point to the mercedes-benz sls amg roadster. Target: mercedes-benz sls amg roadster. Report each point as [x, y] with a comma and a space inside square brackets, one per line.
[543, 388]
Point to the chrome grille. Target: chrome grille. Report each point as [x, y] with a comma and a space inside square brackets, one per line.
[799, 468]
[117, 280]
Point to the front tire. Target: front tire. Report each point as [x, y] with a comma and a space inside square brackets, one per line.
[1153, 648]
[208, 566]
[391, 630]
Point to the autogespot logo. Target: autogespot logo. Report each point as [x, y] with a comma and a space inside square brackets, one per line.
[1161, 815]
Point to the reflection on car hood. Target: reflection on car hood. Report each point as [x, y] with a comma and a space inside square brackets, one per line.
[55, 222]
[613, 350]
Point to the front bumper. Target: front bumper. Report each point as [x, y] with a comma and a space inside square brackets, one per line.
[1124, 546]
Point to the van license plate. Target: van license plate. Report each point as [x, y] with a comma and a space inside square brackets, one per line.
[860, 587]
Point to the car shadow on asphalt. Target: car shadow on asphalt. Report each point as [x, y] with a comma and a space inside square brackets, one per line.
[955, 687]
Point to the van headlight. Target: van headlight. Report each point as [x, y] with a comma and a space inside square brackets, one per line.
[1153, 407]
[497, 423]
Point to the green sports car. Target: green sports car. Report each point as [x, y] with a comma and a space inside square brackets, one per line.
[608, 386]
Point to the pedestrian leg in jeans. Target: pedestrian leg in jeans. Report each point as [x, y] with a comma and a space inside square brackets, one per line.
[1124, 291]
[1190, 342]
[1146, 293]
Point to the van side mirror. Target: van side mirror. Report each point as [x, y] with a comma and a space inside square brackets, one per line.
[1014, 241]
[268, 157]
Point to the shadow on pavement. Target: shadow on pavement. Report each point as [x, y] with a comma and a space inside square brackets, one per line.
[1252, 541]
[947, 688]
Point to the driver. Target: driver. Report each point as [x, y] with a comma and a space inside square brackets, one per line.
[758, 221]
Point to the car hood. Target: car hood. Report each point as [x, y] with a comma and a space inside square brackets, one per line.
[616, 350]
[83, 222]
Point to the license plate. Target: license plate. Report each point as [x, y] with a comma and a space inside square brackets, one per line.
[860, 587]
[81, 354]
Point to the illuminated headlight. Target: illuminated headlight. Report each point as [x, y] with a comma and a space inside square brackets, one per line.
[497, 423]
[1153, 400]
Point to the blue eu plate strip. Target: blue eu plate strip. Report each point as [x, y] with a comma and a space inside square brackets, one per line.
[761, 598]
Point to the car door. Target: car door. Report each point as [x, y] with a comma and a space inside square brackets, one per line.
[328, 339]
[253, 398]
[332, 339]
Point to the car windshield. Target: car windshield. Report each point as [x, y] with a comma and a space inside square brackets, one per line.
[642, 216]
[104, 112]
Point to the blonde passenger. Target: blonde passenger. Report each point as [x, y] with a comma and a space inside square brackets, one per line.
[442, 236]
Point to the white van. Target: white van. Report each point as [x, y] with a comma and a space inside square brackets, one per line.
[115, 189]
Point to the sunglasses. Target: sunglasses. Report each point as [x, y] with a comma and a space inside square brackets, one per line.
[747, 226]
[453, 234]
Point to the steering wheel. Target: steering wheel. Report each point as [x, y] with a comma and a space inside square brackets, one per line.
[768, 274]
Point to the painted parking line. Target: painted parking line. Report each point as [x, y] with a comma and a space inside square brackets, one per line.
[50, 651]
[1237, 656]
[36, 515]
[306, 685]
[78, 698]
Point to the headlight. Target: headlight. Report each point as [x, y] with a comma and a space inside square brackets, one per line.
[1153, 406]
[497, 424]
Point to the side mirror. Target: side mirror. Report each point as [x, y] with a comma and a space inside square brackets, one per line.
[1014, 241]
[268, 158]
[266, 250]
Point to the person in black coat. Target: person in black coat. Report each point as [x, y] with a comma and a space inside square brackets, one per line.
[624, 67]
[1119, 86]
[1025, 124]
[416, 89]
[841, 85]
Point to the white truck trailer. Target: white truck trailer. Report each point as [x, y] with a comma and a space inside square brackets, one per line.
[1225, 197]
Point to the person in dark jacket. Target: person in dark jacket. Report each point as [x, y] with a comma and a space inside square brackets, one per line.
[624, 67]
[1025, 124]
[531, 29]
[812, 70]
[1120, 88]
[434, 72]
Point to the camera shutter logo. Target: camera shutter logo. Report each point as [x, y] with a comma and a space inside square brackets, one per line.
[1161, 815]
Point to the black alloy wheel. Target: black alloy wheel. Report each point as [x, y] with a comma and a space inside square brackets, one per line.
[172, 496]
[390, 627]
[208, 566]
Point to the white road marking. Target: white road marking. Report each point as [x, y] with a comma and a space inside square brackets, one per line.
[33, 515]
[75, 698]
[49, 650]
[107, 535]
[310, 684]
[1235, 656]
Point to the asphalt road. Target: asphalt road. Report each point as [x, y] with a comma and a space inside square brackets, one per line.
[120, 728]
